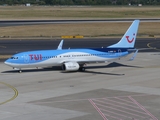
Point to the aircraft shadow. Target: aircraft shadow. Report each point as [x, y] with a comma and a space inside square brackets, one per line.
[59, 68]
[56, 68]
[103, 73]
[111, 65]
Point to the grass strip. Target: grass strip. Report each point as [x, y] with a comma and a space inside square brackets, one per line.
[115, 29]
[78, 12]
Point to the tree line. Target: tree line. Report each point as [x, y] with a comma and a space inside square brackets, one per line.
[80, 2]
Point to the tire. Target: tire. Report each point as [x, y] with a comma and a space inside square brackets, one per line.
[82, 69]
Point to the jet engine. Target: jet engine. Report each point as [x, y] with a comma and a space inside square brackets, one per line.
[70, 66]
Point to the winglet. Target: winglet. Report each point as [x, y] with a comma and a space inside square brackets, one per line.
[129, 38]
[134, 55]
[60, 45]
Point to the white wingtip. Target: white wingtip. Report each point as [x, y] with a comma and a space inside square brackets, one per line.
[60, 45]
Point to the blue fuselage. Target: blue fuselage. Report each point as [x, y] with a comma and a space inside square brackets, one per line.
[46, 58]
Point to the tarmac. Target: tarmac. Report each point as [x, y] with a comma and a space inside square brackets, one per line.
[129, 90]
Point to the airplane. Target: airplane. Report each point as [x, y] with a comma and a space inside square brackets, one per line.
[76, 59]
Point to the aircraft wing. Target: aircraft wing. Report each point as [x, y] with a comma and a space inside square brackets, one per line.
[136, 51]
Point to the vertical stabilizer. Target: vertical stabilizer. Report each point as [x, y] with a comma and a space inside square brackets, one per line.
[129, 38]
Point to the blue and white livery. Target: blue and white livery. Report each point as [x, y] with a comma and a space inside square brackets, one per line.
[75, 59]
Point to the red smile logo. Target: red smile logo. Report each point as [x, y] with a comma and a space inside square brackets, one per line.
[130, 41]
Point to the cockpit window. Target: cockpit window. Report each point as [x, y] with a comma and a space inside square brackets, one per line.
[15, 58]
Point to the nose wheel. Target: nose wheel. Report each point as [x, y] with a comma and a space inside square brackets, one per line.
[19, 70]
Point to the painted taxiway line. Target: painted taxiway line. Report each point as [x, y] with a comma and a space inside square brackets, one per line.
[119, 109]
[140, 106]
[15, 93]
[149, 45]
[77, 100]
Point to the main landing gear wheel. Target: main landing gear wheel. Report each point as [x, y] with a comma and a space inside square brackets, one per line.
[82, 69]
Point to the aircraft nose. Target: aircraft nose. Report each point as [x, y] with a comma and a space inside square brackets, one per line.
[7, 62]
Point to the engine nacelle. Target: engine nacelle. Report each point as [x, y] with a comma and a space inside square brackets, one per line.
[70, 66]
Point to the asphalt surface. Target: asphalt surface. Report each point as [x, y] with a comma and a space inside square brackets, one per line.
[9, 47]
[5, 23]
[128, 90]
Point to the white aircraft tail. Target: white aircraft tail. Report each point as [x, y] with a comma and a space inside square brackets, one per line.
[129, 38]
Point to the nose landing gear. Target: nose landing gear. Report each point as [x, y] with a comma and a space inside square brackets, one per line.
[19, 70]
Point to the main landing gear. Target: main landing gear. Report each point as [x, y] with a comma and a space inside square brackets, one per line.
[82, 69]
[20, 71]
